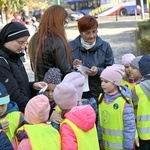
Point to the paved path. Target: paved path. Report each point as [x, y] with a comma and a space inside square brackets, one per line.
[120, 34]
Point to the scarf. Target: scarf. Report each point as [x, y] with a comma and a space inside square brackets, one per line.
[86, 45]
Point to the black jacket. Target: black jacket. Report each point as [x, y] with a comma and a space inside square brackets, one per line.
[13, 75]
[53, 55]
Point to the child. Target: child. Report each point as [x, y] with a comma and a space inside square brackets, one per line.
[36, 133]
[117, 120]
[52, 78]
[134, 69]
[78, 130]
[142, 91]
[10, 117]
[128, 79]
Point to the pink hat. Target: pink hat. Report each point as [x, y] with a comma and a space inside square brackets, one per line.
[69, 91]
[77, 79]
[113, 74]
[127, 58]
[119, 67]
[37, 110]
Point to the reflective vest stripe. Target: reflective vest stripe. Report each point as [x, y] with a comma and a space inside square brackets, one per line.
[144, 130]
[112, 132]
[111, 145]
[143, 118]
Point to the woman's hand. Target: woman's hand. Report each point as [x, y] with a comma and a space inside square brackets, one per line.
[56, 117]
[39, 85]
[76, 63]
[93, 71]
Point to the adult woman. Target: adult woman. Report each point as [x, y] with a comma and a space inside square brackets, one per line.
[48, 47]
[13, 38]
[91, 51]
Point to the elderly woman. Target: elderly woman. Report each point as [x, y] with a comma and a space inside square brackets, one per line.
[91, 51]
[13, 39]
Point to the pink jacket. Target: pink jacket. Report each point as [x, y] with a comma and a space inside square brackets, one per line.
[84, 117]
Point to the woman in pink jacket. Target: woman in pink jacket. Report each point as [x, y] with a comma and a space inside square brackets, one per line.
[78, 130]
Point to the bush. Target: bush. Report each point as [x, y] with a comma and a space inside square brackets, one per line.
[143, 38]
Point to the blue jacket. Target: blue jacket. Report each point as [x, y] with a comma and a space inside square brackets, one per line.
[5, 144]
[100, 55]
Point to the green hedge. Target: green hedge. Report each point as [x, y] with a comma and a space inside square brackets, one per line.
[143, 38]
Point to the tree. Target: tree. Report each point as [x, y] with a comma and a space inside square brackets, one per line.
[11, 6]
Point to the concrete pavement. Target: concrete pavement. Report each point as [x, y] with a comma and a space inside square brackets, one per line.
[121, 35]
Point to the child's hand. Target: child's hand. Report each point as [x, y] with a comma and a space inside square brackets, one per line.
[56, 117]
[5, 125]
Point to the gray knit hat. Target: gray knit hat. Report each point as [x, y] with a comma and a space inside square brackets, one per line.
[135, 62]
[53, 75]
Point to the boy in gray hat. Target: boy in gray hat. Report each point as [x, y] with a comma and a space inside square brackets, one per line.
[142, 92]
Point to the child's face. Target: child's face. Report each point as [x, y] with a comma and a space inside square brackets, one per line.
[3, 109]
[127, 71]
[135, 73]
[49, 92]
[107, 86]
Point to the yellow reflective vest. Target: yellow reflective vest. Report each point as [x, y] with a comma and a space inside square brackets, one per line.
[130, 85]
[13, 118]
[112, 132]
[86, 140]
[143, 114]
[42, 136]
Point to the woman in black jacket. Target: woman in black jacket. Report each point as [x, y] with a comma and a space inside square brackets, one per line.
[13, 39]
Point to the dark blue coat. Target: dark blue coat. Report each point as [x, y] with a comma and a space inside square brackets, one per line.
[100, 55]
[5, 144]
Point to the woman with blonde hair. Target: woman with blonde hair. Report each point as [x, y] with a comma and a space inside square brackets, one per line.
[49, 47]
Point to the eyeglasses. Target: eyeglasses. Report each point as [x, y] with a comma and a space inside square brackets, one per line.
[22, 43]
[89, 33]
[65, 23]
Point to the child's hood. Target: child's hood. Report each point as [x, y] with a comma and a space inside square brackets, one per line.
[83, 116]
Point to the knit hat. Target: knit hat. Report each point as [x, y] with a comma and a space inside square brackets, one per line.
[4, 97]
[13, 31]
[135, 62]
[113, 74]
[119, 67]
[69, 91]
[37, 110]
[127, 58]
[53, 75]
[144, 65]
